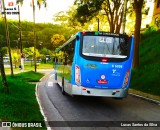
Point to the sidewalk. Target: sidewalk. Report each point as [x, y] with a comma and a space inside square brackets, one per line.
[146, 96]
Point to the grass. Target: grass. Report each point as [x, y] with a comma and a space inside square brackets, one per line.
[20, 104]
[29, 76]
[146, 77]
[28, 67]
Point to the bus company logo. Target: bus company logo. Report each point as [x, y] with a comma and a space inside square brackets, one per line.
[93, 66]
[115, 73]
[103, 76]
[113, 70]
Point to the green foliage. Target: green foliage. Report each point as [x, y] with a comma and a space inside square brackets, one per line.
[29, 52]
[67, 20]
[57, 40]
[15, 57]
[4, 50]
[87, 9]
[112, 9]
[146, 77]
[44, 33]
[43, 53]
[150, 49]
[149, 31]
[60, 55]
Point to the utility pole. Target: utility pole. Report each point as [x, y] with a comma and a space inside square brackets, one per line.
[35, 66]
[124, 16]
[7, 37]
[20, 40]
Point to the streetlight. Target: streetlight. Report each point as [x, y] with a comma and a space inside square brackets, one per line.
[20, 40]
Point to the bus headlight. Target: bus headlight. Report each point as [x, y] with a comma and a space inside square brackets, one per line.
[126, 79]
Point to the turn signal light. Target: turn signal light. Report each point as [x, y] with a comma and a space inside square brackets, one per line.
[126, 79]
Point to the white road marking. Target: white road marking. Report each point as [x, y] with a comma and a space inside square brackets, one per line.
[50, 84]
[51, 76]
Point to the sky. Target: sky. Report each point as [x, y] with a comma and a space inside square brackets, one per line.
[44, 15]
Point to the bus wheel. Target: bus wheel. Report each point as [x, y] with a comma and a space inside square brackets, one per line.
[63, 91]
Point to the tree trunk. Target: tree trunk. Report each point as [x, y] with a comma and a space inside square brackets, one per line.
[124, 16]
[138, 11]
[4, 81]
[7, 38]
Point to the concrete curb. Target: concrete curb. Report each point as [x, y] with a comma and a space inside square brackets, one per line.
[145, 98]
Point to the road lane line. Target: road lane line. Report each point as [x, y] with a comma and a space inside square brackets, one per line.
[51, 75]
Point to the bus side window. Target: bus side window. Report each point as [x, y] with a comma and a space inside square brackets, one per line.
[70, 52]
[124, 45]
[65, 55]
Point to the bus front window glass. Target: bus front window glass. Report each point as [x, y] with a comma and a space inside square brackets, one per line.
[105, 46]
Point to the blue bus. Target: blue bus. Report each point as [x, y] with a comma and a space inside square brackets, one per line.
[96, 64]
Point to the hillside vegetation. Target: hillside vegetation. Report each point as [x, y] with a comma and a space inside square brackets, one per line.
[146, 77]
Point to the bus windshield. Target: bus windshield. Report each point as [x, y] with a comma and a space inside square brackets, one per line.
[105, 46]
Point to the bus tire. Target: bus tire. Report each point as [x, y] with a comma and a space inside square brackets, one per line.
[63, 91]
[118, 98]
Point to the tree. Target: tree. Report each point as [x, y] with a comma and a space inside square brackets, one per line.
[4, 50]
[7, 37]
[15, 58]
[43, 54]
[29, 53]
[59, 55]
[137, 5]
[67, 20]
[39, 3]
[113, 10]
[3, 75]
[57, 40]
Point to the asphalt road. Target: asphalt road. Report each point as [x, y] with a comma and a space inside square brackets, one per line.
[95, 113]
